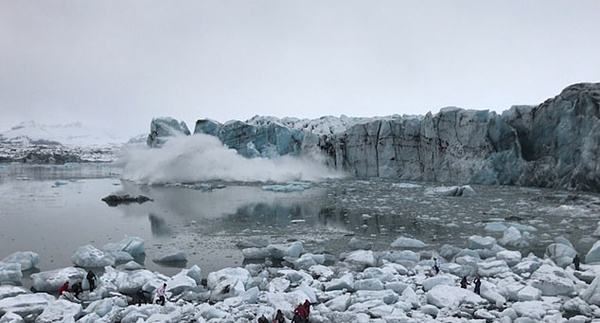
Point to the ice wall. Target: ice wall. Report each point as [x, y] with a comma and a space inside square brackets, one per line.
[555, 144]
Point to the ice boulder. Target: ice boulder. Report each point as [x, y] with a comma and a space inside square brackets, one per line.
[466, 190]
[255, 253]
[340, 303]
[512, 237]
[26, 304]
[27, 259]
[10, 273]
[167, 256]
[11, 317]
[226, 288]
[180, 283]
[478, 242]
[360, 259]
[492, 268]
[561, 252]
[345, 282]
[405, 242]
[552, 281]
[59, 311]
[307, 260]
[430, 283]
[592, 294]
[357, 244]
[132, 245]
[50, 281]
[535, 310]
[406, 258]
[321, 272]
[10, 291]
[529, 293]
[237, 273]
[89, 256]
[444, 296]
[511, 257]
[594, 254]
[291, 250]
[368, 284]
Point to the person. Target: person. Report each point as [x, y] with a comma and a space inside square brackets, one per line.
[141, 297]
[160, 293]
[263, 319]
[307, 305]
[63, 288]
[436, 265]
[576, 262]
[91, 278]
[477, 283]
[77, 288]
[279, 317]
[300, 315]
[464, 283]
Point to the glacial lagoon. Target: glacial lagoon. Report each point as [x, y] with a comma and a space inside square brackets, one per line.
[52, 210]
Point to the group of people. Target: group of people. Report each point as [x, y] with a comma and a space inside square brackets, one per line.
[301, 314]
[77, 287]
[476, 282]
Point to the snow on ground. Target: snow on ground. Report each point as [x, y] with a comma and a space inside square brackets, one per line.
[362, 286]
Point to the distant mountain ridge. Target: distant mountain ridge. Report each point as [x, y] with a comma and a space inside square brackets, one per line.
[71, 134]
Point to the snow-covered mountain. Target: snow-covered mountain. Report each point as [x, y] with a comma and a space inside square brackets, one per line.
[31, 142]
[72, 134]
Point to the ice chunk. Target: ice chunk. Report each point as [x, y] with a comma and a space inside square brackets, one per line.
[10, 291]
[561, 252]
[511, 257]
[195, 273]
[11, 318]
[478, 242]
[89, 256]
[512, 237]
[409, 295]
[180, 283]
[240, 274]
[495, 227]
[307, 260]
[292, 250]
[10, 273]
[532, 309]
[368, 284]
[529, 293]
[59, 311]
[405, 242]
[552, 281]
[360, 259]
[430, 283]
[405, 185]
[132, 265]
[340, 303]
[321, 271]
[26, 304]
[50, 281]
[406, 258]
[227, 287]
[492, 268]
[290, 187]
[256, 253]
[594, 254]
[358, 244]
[451, 191]
[132, 245]
[345, 282]
[253, 242]
[27, 259]
[100, 307]
[171, 256]
[452, 297]
[592, 293]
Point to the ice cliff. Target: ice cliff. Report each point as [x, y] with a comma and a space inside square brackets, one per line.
[555, 144]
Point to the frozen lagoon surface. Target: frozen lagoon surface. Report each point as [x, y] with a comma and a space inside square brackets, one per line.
[52, 210]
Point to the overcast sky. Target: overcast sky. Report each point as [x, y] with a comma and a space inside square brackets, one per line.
[120, 63]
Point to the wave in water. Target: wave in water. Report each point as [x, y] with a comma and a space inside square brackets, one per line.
[201, 157]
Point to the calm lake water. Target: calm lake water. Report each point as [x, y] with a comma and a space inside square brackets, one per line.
[54, 209]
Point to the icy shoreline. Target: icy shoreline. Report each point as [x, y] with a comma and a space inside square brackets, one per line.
[397, 285]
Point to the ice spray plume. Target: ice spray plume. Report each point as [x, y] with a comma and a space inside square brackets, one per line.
[202, 157]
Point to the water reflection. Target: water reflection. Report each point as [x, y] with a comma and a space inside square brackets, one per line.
[159, 226]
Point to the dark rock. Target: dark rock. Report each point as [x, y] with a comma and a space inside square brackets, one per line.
[114, 200]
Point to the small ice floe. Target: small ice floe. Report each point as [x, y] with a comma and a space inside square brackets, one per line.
[289, 187]
[60, 183]
[405, 242]
[466, 190]
[406, 185]
[171, 255]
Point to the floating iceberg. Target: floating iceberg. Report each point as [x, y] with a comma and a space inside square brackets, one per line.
[27, 259]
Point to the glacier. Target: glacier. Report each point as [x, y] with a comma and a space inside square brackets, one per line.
[555, 144]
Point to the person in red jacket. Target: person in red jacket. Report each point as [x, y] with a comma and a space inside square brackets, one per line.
[300, 314]
[63, 288]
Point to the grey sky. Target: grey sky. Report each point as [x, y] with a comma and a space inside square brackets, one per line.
[120, 63]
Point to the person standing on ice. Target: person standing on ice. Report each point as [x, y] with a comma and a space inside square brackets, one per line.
[63, 288]
[300, 314]
[436, 265]
[576, 262]
[91, 278]
[160, 293]
[477, 283]
[464, 282]
[279, 317]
